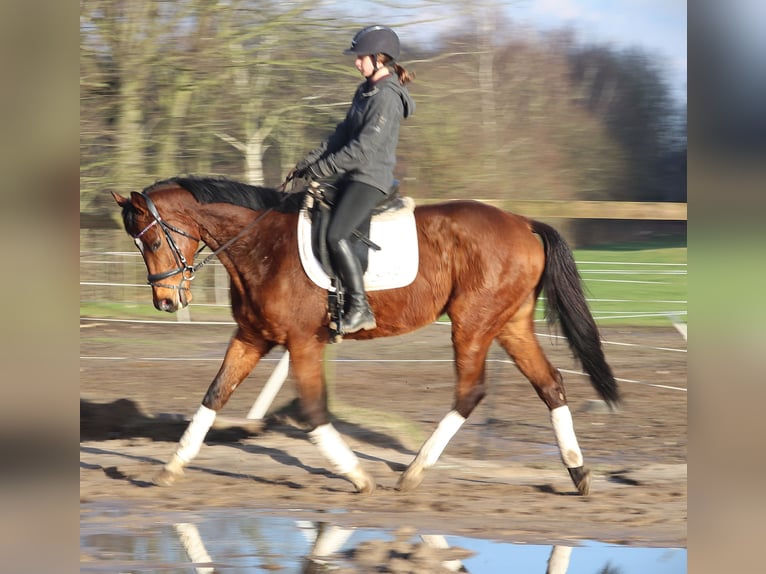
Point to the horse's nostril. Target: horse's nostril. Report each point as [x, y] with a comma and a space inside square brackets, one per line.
[165, 305]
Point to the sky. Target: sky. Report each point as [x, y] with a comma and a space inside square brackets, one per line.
[657, 27]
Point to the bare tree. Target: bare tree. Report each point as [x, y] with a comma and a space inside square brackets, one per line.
[626, 92]
[246, 87]
[271, 52]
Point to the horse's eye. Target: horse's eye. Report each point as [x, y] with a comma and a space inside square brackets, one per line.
[156, 245]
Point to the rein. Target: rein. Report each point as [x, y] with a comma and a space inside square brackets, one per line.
[189, 271]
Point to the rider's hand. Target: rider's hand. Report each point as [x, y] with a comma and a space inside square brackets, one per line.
[301, 170]
[301, 173]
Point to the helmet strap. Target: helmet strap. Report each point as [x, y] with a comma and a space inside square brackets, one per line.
[375, 64]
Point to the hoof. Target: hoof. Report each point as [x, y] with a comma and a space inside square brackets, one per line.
[362, 481]
[166, 477]
[410, 479]
[581, 479]
[170, 473]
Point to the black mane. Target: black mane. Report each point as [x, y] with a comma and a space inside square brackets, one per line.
[222, 190]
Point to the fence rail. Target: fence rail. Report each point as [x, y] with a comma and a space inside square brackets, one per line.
[645, 210]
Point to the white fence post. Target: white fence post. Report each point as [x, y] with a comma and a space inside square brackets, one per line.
[680, 327]
[270, 389]
[221, 285]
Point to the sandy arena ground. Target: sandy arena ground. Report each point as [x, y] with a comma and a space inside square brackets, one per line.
[500, 478]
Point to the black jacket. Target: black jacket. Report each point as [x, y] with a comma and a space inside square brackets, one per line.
[363, 146]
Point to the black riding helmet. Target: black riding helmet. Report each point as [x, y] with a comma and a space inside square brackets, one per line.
[375, 40]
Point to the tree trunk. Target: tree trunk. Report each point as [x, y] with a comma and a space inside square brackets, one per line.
[254, 160]
[168, 156]
[130, 161]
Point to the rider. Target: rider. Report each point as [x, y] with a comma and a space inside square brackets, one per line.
[362, 151]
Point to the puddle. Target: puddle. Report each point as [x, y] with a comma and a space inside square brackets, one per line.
[228, 541]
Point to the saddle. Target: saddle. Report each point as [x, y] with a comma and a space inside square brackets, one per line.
[320, 211]
[385, 244]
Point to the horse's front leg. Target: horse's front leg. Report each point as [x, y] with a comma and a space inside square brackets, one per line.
[312, 392]
[241, 357]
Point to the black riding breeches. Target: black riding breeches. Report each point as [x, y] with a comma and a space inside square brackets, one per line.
[355, 202]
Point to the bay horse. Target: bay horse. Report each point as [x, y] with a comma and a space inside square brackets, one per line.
[482, 266]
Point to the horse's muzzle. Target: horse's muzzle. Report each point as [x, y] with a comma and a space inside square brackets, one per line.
[167, 305]
[179, 300]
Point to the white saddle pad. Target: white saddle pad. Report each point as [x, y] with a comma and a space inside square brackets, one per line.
[395, 265]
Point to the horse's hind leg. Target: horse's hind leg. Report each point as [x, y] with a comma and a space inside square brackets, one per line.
[470, 354]
[241, 358]
[308, 369]
[519, 341]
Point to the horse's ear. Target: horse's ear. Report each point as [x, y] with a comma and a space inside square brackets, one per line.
[121, 201]
[135, 199]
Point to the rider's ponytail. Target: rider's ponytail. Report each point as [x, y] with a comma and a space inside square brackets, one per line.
[405, 76]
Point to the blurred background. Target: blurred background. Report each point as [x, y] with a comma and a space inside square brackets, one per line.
[572, 110]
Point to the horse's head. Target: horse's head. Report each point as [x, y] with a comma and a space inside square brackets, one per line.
[167, 242]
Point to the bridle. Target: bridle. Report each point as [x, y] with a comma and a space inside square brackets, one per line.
[188, 272]
[183, 268]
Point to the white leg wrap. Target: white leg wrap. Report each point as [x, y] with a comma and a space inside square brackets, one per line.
[433, 448]
[191, 441]
[330, 540]
[561, 418]
[195, 549]
[334, 448]
[558, 562]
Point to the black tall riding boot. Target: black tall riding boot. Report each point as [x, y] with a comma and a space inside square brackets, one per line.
[358, 315]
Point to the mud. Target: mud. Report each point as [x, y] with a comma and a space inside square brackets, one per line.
[500, 478]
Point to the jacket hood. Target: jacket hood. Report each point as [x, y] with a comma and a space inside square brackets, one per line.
[392, 82]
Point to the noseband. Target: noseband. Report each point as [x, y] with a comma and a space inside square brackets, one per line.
[187, 271]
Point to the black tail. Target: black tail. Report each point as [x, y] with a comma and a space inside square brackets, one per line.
[565, 302]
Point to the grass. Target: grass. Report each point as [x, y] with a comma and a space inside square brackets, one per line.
[635, 287]
[145, 311]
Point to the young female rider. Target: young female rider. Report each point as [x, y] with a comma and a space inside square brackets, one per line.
[362, 151]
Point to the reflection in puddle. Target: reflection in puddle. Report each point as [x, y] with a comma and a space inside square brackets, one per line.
[226, 541]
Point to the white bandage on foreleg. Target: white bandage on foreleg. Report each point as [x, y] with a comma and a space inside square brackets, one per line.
[561, 418]
[334, 448]
[558, 562]
[195, 548]
[191, 441]
[433, 448]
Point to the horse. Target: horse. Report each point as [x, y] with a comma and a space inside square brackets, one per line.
[481, 266]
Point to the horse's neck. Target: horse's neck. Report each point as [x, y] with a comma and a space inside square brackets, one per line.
[227, 231]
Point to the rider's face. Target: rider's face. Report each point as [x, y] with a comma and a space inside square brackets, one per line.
[364, 65]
